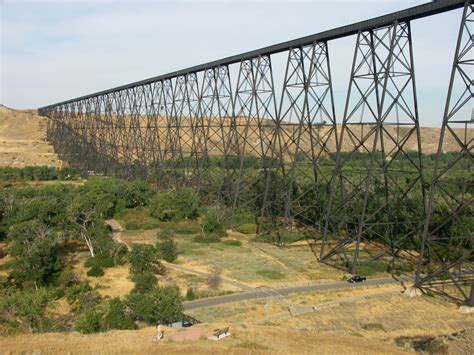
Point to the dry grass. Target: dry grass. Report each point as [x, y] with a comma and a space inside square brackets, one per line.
[245, 312]
[397, 316]
[23, 139]
[242, 341]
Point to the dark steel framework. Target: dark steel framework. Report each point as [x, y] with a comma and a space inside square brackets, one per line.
[227, 131]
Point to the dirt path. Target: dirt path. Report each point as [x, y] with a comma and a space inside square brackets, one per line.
[116, 236]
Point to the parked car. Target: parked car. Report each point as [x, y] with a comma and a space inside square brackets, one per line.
[357, 278]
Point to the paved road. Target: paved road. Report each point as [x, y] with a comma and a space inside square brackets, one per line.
[272, 292]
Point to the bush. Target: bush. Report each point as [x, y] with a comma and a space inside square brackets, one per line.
[144, 282]
[190, 295]
[232, 242]
[247, 228]
[117, 316]
[165, 234]
[183, 204]
[143, 258]
[207, 239]
[26, 310]
[82, 297]
[187, 228]
[167, 249]
[95, 271]
[162, 304]
[213, 219]
[187, 202]
[243, 217]
[67, 278]
[100, 261]
[89, 322]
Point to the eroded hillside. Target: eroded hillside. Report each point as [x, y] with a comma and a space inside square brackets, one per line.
[23, 139]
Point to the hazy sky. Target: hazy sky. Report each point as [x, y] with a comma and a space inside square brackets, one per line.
[55, 50]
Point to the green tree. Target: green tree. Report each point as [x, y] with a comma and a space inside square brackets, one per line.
[143, 258]
[117, 315]
[144, 282]
[26, 310]
[161, 304]
[89, 321]
[35, 254]
[183, 204]
[167, 249]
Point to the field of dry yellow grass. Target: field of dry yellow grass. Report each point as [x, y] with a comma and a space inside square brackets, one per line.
[376, 320]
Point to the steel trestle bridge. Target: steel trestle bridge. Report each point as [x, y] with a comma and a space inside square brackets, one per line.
[360, 189]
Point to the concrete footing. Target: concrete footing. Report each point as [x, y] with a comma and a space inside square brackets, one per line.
[412, 292]
[466, 309]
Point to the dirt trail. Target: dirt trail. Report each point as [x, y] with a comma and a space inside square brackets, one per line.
[117, 228]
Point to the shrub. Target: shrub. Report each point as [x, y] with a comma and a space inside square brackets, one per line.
[213, 219]
[95, 271]
[101, 261]
[165, 234]
[26, 310]
[144, 282]
[161, 207]
[187, 228]
[67, 278]
[243, 217]
[167, 249]
[187, 203]
[82, 297]
[190, 295]
[247, 228]
[117, 316]
[233, 242]
[143, 258]
[183, 204]
[161, 304]
[89, 322]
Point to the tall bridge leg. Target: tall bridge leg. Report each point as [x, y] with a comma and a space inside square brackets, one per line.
[254, 112]
[447, 254]
[307, 135]
[381, 132]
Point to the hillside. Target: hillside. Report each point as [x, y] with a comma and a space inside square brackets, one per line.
[23, 139]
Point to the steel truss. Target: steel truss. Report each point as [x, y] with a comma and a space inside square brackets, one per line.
[380, 117]
[446, 262]
[250, 145]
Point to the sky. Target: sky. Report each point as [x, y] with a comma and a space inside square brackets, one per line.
[53, 50]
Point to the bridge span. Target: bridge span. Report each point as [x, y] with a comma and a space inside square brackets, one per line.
[361, 188]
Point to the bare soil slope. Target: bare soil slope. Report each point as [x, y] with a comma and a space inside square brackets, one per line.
[23, 139]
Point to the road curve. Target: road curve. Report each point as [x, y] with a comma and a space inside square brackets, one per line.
[272, 292]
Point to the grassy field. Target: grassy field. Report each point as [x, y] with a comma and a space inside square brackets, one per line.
[381, 321]
[253, 263]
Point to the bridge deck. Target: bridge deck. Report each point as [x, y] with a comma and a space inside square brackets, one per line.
[413, 13]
